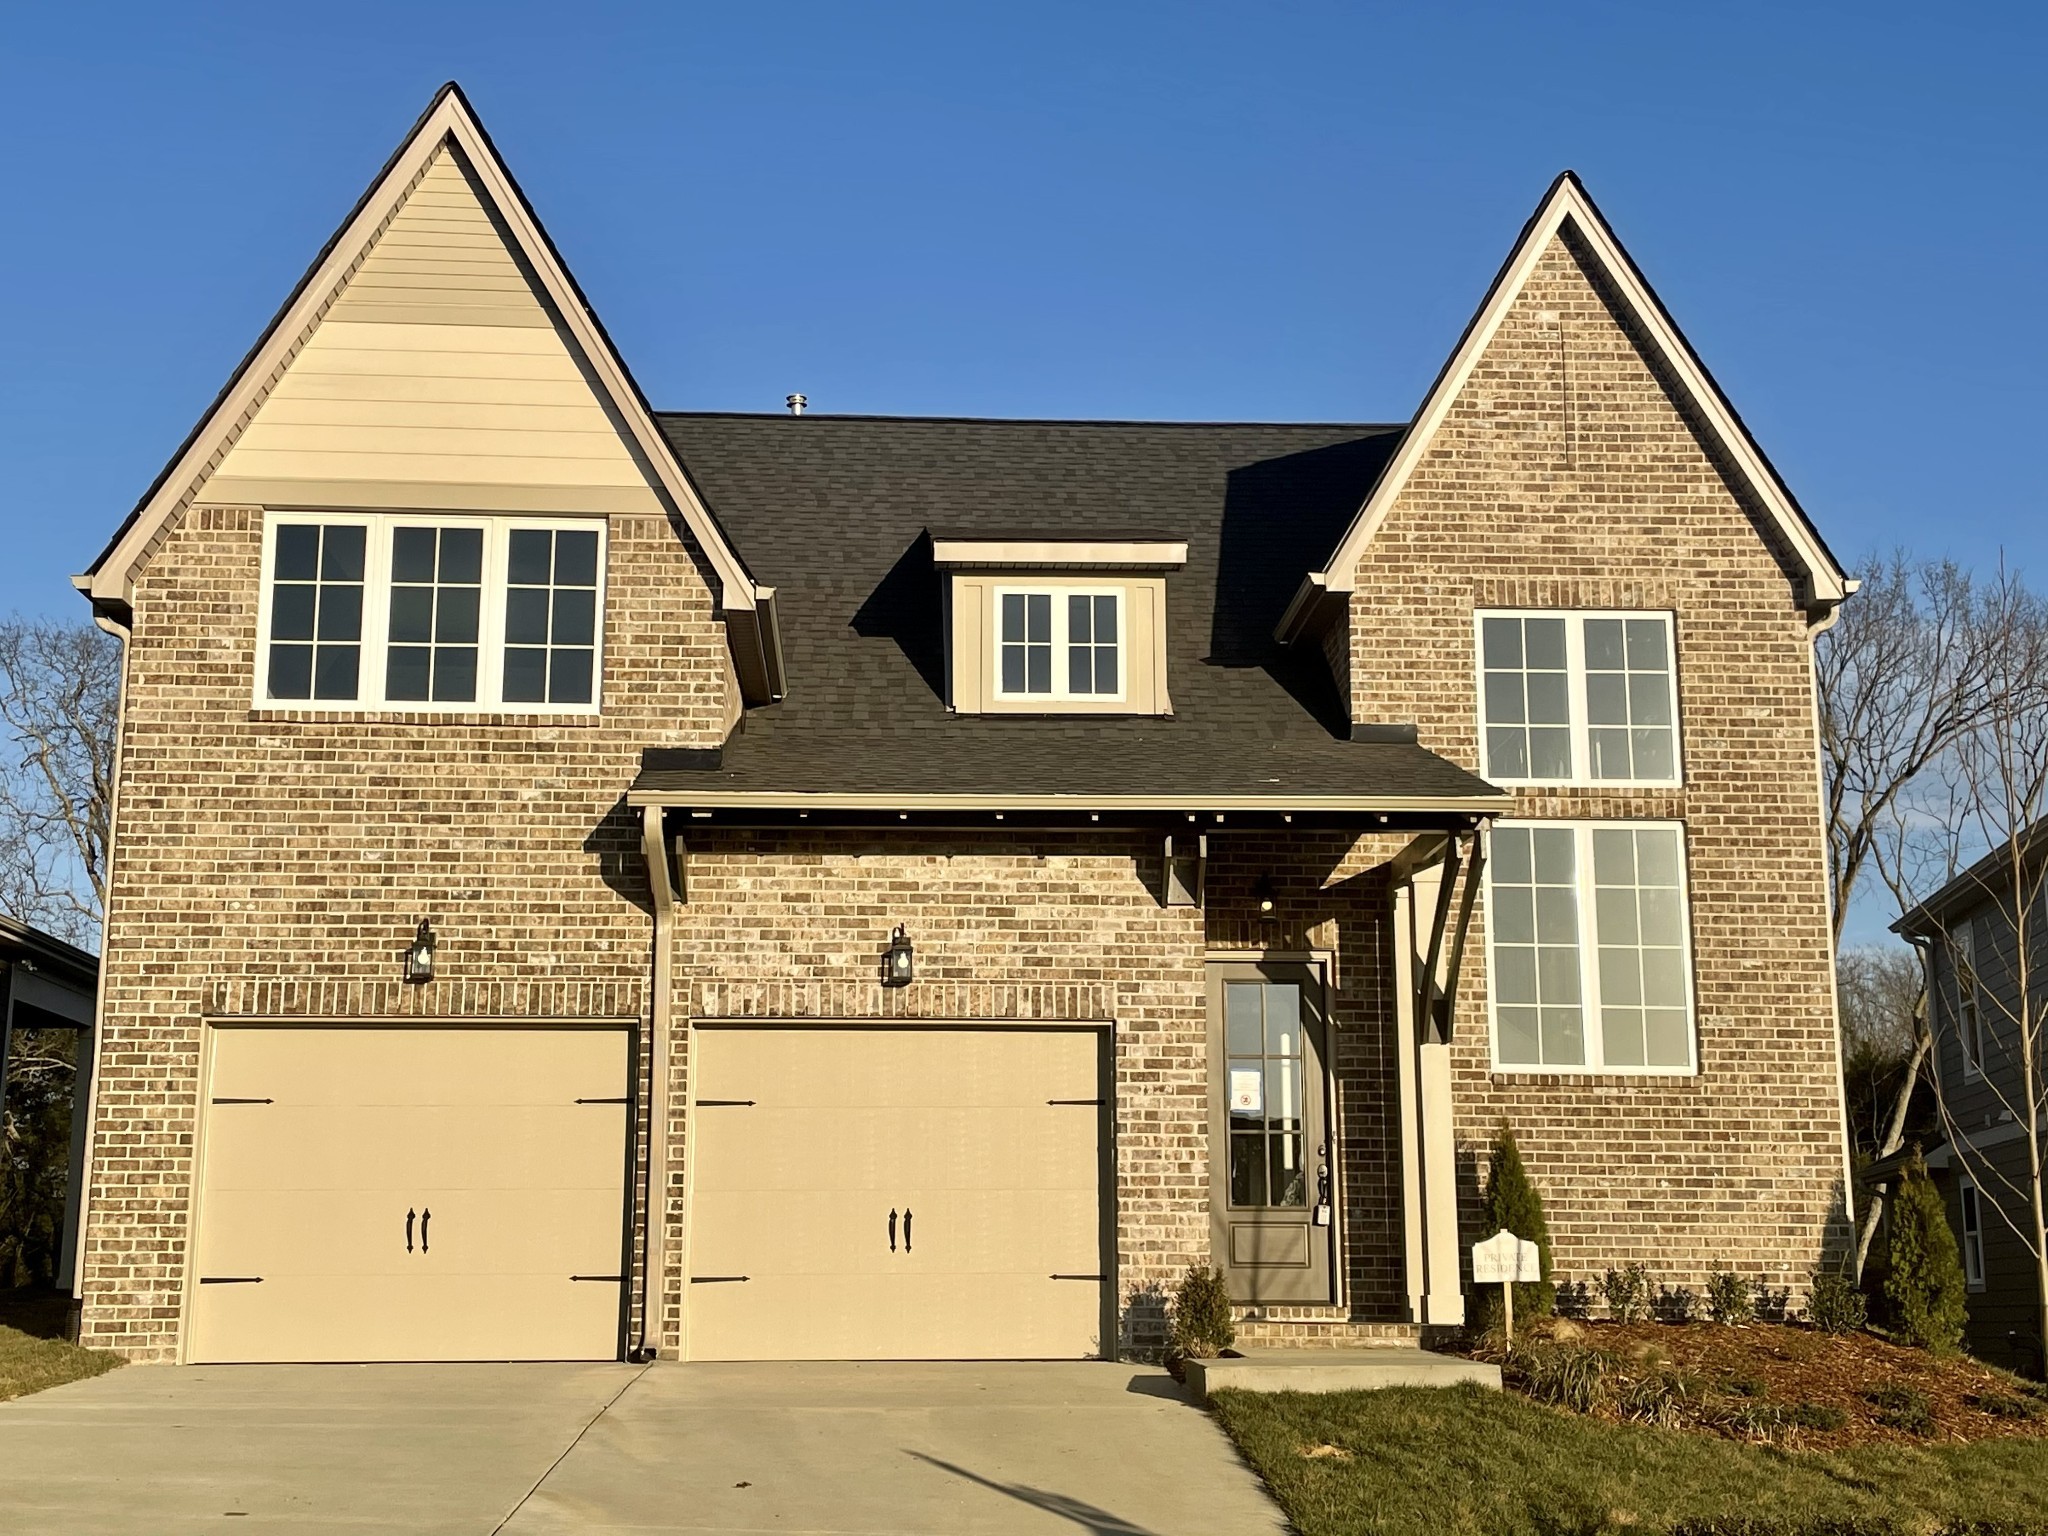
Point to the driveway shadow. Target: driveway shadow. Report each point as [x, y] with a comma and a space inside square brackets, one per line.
[1097, 1522]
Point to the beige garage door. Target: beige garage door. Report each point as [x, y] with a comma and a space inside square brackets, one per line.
[897, 1193]
[412, 1194]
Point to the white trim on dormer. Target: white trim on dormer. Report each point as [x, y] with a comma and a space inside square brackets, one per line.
[1076, 553]
[1822, 581]
[110, 581]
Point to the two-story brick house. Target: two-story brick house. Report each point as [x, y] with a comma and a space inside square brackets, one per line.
[912, 887]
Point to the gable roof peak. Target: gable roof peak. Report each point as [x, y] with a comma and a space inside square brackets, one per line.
[1822, 583]
[448, 122]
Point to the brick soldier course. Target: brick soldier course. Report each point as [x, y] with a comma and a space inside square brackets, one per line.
[270, 861]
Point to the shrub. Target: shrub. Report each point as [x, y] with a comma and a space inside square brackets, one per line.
[1833, 1305]
[1200, 1317]
[1663, 1397]
[1730, 1298]
[1628, 1292]
[2001, 1406]
[1903, 1408]
[1745, 1386]
[1513, 1205]
[1568, 1375]
[1816, 1416]
[1925, 1281]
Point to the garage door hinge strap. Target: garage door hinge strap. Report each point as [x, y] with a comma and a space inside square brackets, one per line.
[606, 1279]
[619, 1100]
[230, 1279]
[1075, 1277]
[1096, 1102]
[724, 1103]
[245, 1101]
[717, 1279]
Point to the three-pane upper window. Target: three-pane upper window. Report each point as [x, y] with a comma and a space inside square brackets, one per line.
[1578, 698]
[1059, 643]
[1589, 947]
[418, 611]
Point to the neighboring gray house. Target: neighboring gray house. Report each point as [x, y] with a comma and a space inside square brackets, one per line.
[1970, 941]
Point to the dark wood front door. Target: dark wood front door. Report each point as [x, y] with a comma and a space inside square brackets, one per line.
[1269, 1145]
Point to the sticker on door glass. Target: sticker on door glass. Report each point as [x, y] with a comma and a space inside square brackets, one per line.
[1247, 1091]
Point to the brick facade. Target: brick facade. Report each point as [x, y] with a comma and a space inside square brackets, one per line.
[1564, 476]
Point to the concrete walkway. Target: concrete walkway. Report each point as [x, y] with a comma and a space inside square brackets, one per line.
[800, 1450]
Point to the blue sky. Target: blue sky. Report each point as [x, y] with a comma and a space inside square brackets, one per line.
[1133, 210]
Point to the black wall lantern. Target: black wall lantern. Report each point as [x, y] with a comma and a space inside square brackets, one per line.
[899, 960]
[419, 955]
[1263, 894]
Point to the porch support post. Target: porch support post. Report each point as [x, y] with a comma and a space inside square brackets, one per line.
[1429, 1182]
[662, 889]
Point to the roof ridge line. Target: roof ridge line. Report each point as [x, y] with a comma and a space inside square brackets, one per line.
[1024, 421]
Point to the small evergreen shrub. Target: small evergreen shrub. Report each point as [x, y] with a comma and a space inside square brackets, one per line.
[1567, 1375]
[1513, 1205]
[1822, 1416]
[1745, 1386]
[1628, 1292]
[1924, 1284]
[1663, 1397]
[1200, 1317]
[1833, 1305]
[1903, 1408]
[1731, 1299]
[2002, 1406]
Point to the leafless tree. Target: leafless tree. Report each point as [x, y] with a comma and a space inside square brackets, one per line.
[1917, 668]
[1996, 795]
[59, 690]
[1881, 1028]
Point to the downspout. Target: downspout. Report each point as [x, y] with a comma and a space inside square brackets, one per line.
[1814, 630]
[123, 632]
[653, 846]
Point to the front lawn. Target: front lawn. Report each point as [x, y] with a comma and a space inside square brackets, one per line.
[33, 1351]
[1442, 1461]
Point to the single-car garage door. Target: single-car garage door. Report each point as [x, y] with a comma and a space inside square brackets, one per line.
[412, 1194]
[897, 1193]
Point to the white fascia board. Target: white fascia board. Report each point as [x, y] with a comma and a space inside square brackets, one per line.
[1567, 202]
[1058, 553]
[449, 121]
[784, 800]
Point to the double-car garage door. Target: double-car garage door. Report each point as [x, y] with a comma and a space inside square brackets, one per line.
[376, 1193]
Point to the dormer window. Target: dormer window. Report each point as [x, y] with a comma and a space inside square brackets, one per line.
[1059, 643]
[1057, 623]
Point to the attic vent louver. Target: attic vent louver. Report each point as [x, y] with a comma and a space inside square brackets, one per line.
[796, 404]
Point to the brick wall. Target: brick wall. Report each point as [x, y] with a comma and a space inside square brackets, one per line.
[271, 862]
[1565, 477]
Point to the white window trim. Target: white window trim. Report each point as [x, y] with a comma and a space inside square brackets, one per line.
[1589, 962]
[1060, 693]
[376, 625]
[1969, 999]
[1575, 691]
[1969, 1229]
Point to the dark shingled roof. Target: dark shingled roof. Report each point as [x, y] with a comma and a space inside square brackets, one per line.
[834, 512]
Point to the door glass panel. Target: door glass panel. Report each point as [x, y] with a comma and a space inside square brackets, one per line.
[1267, 1086]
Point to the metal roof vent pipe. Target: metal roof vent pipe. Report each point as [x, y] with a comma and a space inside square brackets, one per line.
[796, 404]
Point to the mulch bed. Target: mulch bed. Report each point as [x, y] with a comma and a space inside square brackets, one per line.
[1789, 1364]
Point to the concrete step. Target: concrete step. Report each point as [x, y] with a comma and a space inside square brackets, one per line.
[1334, 1370]
[1328, 1332]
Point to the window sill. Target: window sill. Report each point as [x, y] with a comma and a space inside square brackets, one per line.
[383, 715]
[1594, 1077]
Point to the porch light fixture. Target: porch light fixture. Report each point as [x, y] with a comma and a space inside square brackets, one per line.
[419, 955]
[898, 960]
[1263, 894]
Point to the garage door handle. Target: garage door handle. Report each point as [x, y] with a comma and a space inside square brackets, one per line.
[425, 1217]
[906, 1229]
[409, 1217]
[892, 1231]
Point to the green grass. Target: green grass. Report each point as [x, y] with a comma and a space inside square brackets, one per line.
[1444, 1461]
[33, 1351]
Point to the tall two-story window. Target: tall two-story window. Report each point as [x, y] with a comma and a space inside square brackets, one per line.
[1577, 698]
[1056, 643]
[416, 611]
[1589, 944]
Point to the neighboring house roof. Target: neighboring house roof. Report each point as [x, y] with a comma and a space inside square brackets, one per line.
[1989, 879]
[109, 581]
[48, 953]
[1566, 206]
[838, 513]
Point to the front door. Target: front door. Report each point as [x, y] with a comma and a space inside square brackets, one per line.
[1270, 1152]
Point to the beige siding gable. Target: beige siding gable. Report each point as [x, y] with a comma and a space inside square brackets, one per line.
[438, 377]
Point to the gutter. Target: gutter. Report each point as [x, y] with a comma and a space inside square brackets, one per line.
[1193, 805]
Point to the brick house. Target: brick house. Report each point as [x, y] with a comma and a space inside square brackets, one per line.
[902, 887]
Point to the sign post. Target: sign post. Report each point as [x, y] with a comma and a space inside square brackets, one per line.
[1507, 1261]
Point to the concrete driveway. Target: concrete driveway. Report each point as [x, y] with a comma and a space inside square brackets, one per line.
[801, 1450]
